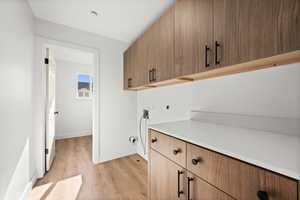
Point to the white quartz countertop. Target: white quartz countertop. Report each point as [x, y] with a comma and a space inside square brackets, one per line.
[273, 151]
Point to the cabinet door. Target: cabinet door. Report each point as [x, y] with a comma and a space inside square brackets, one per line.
[252, 29]
[149, 48]
[141, 61]
[159, 44]
[197, 189]
[128, 68]
[193, 36]
[286, 25]
[163, 50]
[166, 178]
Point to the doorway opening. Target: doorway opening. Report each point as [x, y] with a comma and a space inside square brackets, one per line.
[70, 103]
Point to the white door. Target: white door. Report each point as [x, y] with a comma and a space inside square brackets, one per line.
[50, 109]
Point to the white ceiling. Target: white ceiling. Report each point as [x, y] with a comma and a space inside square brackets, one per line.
[71, 55]
[119, 19]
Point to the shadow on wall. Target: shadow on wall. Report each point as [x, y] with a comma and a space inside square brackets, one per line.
[20, 178]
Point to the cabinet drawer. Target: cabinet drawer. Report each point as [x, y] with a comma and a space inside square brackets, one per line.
[240, 180]
[170, 147]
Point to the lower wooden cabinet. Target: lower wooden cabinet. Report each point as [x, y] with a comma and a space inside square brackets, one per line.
[169, 181]
[166, 177]
[170, 147]
[207, 175]
[197, 189]
[239, 179]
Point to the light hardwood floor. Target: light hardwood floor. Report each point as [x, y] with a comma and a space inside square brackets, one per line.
[120, 179]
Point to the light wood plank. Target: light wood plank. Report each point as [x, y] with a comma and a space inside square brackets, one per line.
[124, 178]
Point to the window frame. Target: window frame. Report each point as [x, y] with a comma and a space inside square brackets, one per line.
[91, 86]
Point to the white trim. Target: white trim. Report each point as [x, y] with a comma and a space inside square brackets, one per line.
[67, 135]
[42, 43]
[27, 190]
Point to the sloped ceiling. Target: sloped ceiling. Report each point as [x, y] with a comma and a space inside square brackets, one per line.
[123, 20]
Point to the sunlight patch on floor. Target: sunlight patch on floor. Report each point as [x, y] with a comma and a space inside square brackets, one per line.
[64, 189]
[39, 192]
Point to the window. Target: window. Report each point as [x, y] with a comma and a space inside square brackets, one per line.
[84, 86]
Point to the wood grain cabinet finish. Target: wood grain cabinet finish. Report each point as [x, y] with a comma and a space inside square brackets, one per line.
[209, 175]
[131, 67]
[172, 148]
[193, 36]
[196, 36]
[253, 29]
[160, 50]
[135, 73]
[128, 69]
[198, 189]
[240, 180]
[165, 179]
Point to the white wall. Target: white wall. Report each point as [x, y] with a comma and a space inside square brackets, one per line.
[16, 65]
[273, 92]
[117, 107]
[75, 118]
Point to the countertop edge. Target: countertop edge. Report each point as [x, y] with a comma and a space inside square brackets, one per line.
[285, 172]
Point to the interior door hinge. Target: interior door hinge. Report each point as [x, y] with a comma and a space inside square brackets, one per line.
[46, 151]
[46, 61]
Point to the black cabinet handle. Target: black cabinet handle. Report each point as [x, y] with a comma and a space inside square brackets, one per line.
[179, 192]
[154, 74]
[150, 75]
[129, 82]
[190, 179]
[176, 151]
[206, 50]
[262, 195]
[196, 161]
[217, 45]
[154, 140]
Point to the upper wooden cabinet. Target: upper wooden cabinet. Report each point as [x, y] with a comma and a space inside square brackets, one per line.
[196, 39]
[160, 48]
[193, 36]
[246, 30]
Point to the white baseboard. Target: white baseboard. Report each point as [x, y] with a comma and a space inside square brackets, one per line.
[145, 157]
[26, 193]
[28, 188]
[59, 136]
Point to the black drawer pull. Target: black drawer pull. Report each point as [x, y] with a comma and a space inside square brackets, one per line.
[190, 179]
[262, 195]
[179, 192]
[176, 151]
[196, 161]
[154, 140]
